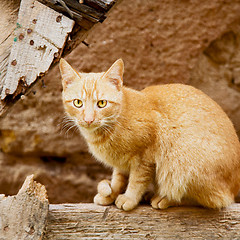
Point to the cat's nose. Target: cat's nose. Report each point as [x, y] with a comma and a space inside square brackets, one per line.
[88, 117]
[88, 121]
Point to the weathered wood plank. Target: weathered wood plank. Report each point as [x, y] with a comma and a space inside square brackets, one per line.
[86, 10]
[41, 34]
[59, 8]
[89, 221]
[24, 216]
[102, 5]
[81, 13]
[8, 20]
[78, 34]
[77, 17]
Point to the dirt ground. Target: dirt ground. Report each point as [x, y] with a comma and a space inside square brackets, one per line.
[192, 42]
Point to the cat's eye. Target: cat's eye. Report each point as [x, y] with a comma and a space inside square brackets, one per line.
[77, 103]
[102, 103]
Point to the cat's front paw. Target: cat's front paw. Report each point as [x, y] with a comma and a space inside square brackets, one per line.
[104, 188]
[102, 200]
[126, 203]
[105, 194]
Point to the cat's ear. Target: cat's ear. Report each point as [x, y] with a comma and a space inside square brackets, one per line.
[115, 73]
[67, 72]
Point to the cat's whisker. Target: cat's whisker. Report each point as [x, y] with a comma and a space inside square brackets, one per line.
[67, 124]
[67, 127]
[109, 117]
[67, 132]
[107, 129]
[119, 123]
[104, 128]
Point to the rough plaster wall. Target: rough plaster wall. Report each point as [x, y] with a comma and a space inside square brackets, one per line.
[194, 42]
[217, 72]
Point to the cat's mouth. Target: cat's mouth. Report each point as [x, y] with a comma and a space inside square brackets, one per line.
[95, 125]
[91, 127]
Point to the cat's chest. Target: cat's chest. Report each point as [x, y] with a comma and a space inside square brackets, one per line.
[110, 155]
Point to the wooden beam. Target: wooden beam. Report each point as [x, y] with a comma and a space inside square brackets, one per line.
[16, 38]
[8, 19]
[35, 45]
[86, 10]
[81, 13]
[102, 5]
[89, 221]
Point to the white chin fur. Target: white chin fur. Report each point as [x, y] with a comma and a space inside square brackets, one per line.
[88, 128]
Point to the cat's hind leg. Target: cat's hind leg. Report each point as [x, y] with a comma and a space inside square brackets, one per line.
[214, 199]
[158, 202]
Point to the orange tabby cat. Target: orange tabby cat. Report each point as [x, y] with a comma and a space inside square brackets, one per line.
[171, 135]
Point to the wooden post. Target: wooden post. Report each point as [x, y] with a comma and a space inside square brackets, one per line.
[24, 216]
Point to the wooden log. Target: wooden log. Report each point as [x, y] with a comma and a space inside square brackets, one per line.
[29, 216]
[24, 216]
[89, 221]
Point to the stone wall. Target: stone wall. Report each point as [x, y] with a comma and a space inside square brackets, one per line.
[192, 42]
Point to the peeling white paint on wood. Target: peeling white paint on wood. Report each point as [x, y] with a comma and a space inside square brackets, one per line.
[40, 33]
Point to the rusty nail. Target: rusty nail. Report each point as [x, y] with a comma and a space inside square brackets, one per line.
[34, 21]
[7, 92]
[56, 54]
[21, 36]
[14, 62]
[29, 30]
[59, 18]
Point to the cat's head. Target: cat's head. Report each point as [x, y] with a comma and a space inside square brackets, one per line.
[92, 100]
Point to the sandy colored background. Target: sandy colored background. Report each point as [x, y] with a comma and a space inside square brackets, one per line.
[194, 42]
